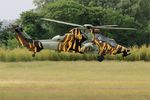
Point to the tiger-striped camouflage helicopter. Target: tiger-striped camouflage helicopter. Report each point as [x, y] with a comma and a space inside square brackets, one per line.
[82, 39]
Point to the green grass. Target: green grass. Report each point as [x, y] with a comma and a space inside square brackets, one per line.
[83, 80]
[19, 54]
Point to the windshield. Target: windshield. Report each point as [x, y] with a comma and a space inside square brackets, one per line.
[103, 38]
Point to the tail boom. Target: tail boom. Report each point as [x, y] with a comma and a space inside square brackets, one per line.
[30, 44]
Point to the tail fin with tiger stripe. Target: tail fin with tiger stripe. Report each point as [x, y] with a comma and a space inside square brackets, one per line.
[29, 43]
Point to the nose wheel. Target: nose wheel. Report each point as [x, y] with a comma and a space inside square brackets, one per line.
[100, 58]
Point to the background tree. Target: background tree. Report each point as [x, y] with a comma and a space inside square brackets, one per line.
[125, 13]
[33, 25]
[5, 35]
[71, 11]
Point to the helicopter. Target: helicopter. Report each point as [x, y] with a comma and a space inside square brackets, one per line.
[84, 39]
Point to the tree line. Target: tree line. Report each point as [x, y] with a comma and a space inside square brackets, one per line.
[125, 13]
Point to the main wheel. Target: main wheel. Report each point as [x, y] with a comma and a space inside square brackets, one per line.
[100, 58]
[33, 55]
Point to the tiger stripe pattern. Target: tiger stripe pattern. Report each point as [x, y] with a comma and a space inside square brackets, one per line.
[105, 48]
[71, 41]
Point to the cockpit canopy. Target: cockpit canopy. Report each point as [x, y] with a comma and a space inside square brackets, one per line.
[103, 38]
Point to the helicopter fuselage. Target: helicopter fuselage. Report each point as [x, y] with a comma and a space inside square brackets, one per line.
[76, 41]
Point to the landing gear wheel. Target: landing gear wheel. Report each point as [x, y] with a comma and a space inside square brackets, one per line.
[33, 55]
[100, 58]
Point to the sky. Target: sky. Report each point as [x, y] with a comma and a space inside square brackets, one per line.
[11, 9]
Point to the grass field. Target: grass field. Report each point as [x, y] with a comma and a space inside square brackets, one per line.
[81, 80]
[23, 55]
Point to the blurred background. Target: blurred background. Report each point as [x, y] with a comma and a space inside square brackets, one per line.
[27, 13]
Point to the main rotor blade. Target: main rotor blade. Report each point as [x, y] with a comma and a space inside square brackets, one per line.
[110, 25]
[61, 22]
[115, 28]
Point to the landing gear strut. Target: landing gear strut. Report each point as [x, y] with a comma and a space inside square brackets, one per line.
[100, 58]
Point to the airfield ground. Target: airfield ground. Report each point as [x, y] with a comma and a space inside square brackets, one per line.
[83, 80]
